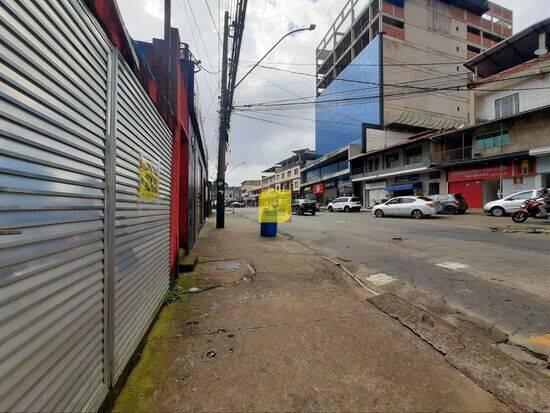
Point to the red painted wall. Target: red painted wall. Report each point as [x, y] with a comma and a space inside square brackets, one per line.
[471, 190]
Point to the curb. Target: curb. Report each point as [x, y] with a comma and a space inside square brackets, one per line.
[507, 379]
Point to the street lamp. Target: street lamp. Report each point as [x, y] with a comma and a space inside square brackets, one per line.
[236, 166]
[310, 28]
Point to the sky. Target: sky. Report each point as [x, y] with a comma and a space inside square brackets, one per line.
[255, 145]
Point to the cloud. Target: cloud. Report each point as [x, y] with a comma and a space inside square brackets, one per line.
[261, 143]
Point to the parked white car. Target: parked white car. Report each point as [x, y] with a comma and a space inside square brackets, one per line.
[413, 206]
[346, 204]
[511, 203]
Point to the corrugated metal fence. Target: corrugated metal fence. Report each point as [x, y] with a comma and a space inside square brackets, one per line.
[83, 257]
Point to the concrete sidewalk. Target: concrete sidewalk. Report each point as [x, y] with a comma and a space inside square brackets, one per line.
[285, 330]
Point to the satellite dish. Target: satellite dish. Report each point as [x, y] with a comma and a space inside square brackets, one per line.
[541, 52]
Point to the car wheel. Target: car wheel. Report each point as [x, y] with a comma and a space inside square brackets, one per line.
[346, 209]
[330, 209]
[497, 212]
[417, 214]
[451, 210]
[379, 213]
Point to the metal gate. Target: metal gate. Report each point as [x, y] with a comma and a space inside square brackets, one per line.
[142, 229]
[84, 260]
[53, 95]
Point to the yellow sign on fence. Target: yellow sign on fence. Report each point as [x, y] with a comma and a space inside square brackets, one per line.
[148, 180]
[275, 206]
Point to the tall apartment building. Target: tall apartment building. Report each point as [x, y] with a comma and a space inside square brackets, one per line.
[286, 174]
[384, 62]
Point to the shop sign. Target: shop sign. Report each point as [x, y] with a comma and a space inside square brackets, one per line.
[330, 184]
[307, 189]
[492, 173]
[149, 178]
[318, 188]
[407, 178]
[344, 184]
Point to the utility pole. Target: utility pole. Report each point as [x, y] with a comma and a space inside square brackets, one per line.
[228, 80]
[223, 132]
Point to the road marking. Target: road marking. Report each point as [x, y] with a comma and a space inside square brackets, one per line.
[453, 265]
[342, 222]
[380, 279]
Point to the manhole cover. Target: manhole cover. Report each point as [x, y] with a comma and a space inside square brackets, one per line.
[229, 265]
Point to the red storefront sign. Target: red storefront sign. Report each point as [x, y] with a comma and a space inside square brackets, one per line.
[318, 189]
[493, 173]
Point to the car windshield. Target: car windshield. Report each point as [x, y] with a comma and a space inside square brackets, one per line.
[423, 198]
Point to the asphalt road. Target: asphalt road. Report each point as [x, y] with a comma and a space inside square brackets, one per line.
[450, 263]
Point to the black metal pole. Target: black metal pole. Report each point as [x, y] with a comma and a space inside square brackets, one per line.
[223, 132]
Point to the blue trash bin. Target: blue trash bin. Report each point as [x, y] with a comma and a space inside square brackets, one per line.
[268, 229]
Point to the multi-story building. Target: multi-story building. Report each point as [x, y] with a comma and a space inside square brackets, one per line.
[286, 174]
[250, 190]
[507, 150]
[407, 168]
[328, 176]
[389, 65]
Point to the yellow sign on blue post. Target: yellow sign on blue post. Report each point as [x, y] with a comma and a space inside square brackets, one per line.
[275, 206]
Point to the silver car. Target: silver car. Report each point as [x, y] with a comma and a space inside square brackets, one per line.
[413, 206]
[511, 203]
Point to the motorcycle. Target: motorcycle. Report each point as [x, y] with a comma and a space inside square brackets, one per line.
[529, 209]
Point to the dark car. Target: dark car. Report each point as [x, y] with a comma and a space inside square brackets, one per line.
[451, 203]
[302, 206]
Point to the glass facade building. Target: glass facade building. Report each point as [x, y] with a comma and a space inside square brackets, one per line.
[351, 99]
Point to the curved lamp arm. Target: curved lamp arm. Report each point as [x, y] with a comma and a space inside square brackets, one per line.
[310, 28]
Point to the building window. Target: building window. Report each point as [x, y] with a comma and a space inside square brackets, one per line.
[391, 160]
[413, 155]
[296, 171]
[507, 106]
[373, 164]
[435, 174]
[493, 140]
[288, 174]
[433, 188]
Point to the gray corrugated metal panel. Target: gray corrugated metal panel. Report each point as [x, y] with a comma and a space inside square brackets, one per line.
[22, 219]
[129, 255]
[38, 109]
[21, 32]
[52, 139]
[14, 166]
[46, 336]
[32, 120]
[129, 269]
[134, 296]
[133, 138]
[29, 82]
[131, 89]
[14, 183]
[142, 228]
[25, 72]
[146, 318]
[29, 202]
[29, 141]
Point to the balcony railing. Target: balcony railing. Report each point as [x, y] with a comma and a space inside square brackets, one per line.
[452, 155]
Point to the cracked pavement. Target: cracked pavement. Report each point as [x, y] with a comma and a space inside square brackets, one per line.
[458, 266]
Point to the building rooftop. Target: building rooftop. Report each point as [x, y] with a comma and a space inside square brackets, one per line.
[511, 52]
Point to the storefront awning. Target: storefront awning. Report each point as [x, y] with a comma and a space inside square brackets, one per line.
[404, 187]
